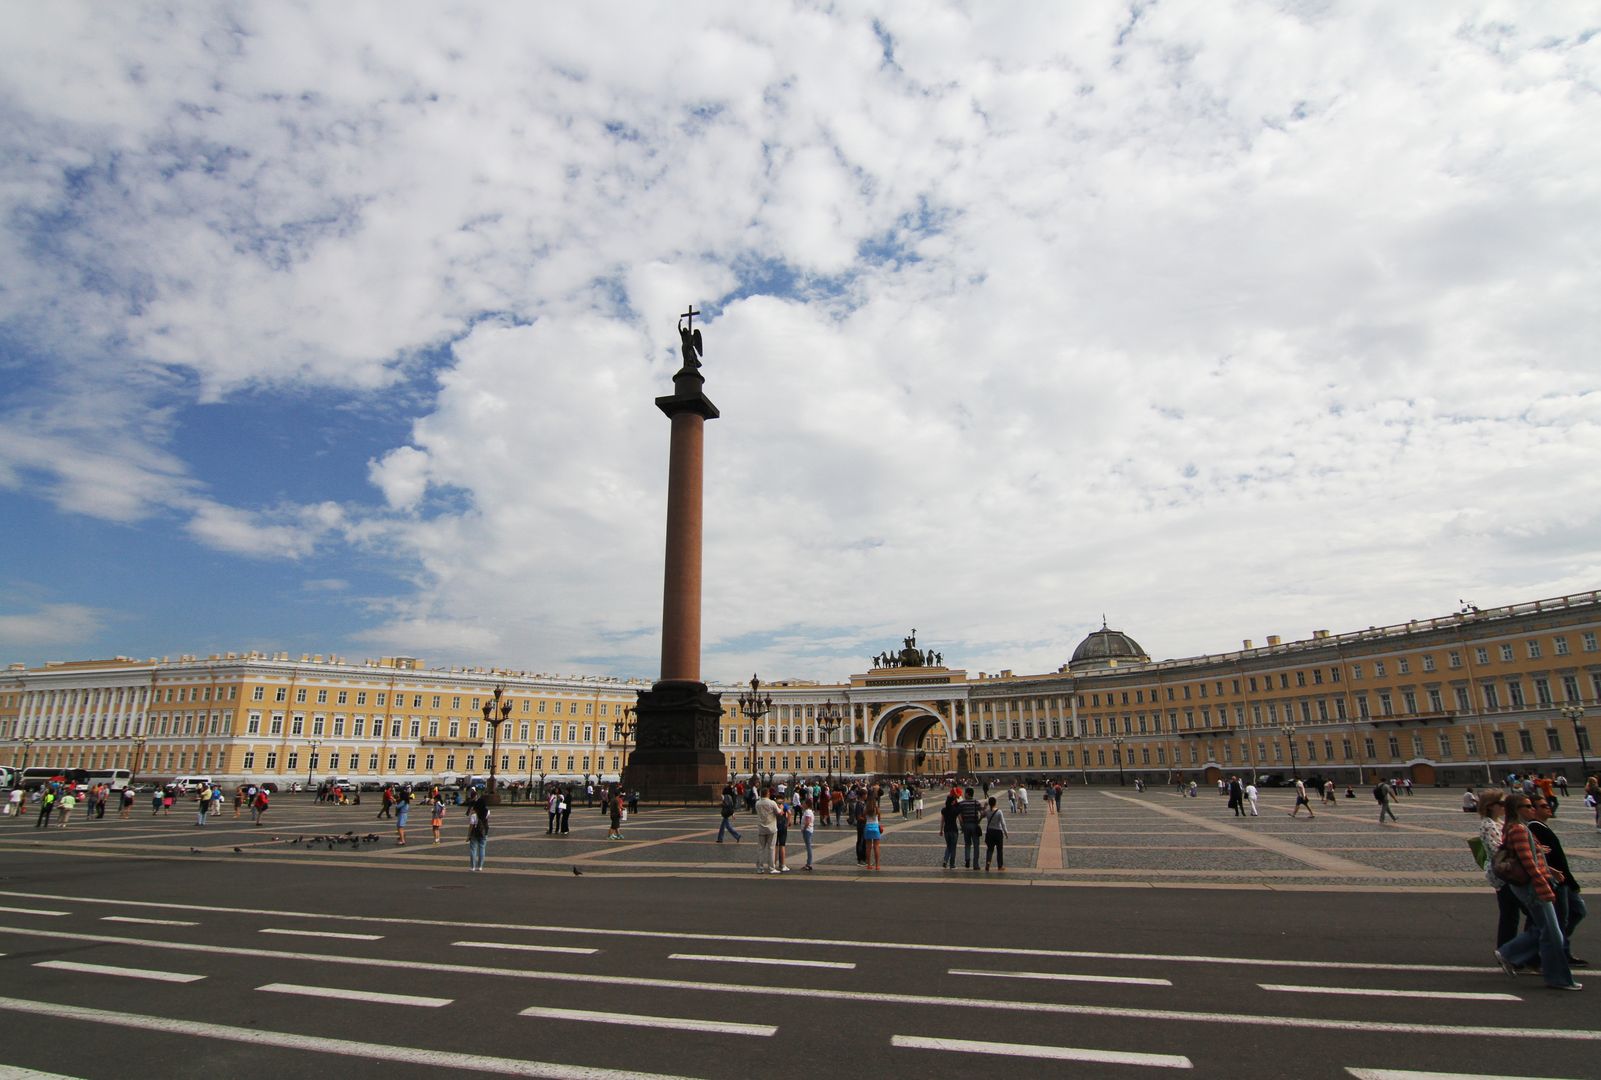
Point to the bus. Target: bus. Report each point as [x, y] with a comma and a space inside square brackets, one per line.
[116, 779]
[8, 777]
[36, 776]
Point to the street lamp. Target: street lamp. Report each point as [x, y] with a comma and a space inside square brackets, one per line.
[1289, 737]
[496, 711]
[138, 756]
[1575, 713]
[755, 705]
[27, 749]
[1082, 753]
[1117, 752]
[627, 725]
[311, 760]
[830, 718]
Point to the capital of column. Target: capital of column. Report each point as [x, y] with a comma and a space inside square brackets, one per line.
[688, 396]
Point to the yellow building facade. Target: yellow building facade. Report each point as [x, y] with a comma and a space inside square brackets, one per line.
[1455, 699]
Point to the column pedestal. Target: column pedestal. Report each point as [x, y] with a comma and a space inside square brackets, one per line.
[678, 758]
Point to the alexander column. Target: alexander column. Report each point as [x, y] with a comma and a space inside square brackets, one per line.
[677, 754]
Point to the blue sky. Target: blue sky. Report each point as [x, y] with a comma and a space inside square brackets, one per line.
[336, 328]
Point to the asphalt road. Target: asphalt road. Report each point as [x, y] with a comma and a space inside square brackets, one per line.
[720, 975]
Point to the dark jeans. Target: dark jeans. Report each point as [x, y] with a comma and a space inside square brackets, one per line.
[727, 826]
[995, 844]
[1509, 912]
[861, 839]
[970, 838]
[949, 858]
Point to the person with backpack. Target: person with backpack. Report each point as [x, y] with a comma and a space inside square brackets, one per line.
[1383, 792]
[727, 810]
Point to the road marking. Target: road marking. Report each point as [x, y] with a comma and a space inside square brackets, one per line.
[679, 1023]
[15, 1072]
[1407, 1074]
[757, 939]
[1054, 1053]
[408, 1055]
[779, 961]
[146, 922]
[355, 995]
[32, 911]
[323, 934]
[1052, 976]
[767, 990]
[131, 973]
[1362, 991]
[519, 947]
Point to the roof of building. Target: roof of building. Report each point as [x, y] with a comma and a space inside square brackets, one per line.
[1107, 648]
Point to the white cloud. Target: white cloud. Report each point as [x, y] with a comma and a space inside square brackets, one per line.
[1215, 319]
[54, 625]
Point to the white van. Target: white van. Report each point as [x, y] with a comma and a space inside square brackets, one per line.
[192, 783]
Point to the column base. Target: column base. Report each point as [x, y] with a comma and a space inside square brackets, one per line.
[678, 756]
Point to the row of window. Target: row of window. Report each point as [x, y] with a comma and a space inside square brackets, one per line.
[381, 699]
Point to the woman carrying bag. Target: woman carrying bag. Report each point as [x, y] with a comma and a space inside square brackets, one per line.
[1520, 857]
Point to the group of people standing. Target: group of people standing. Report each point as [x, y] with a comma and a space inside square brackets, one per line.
[964, 816]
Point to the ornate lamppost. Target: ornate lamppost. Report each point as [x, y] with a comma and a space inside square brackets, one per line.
[1289, 736]
[496, 711]
[1575, 713]
[1117, 752]
[1082, 753]
[830, 718]
[311, 760]
[138, 756]
[627, 726]
[755, 706]
[27, 749]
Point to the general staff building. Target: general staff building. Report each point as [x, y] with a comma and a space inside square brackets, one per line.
[1453, 699]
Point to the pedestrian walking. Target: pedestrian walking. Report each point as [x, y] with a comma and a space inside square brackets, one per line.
[1385, 794]
[67, 801]
[1301, 800]
[1492, 820]
[47, 806]
[614, 812]
[477, 830]
[1570, 908]
[14, 803]
[566, 808]
[436, 817]
[386, 810]
[1236, 797]
[202, 806]
[1250, 797]
[995, 836]
[727, 812]
[1543, 939]
[258, 806]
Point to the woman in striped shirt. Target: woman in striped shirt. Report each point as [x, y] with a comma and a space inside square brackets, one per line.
[1543, 938]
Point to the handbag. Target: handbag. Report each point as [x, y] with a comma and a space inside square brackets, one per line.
[1506, 865]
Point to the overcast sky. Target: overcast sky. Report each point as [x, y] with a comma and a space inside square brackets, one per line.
[336, 327]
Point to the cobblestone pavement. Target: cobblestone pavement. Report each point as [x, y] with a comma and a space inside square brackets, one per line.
[1105, 836]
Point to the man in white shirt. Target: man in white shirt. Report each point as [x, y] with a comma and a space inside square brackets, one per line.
[1301, 800]
[766, 832]
[1250, 797]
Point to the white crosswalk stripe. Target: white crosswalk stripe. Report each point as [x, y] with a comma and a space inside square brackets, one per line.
[127, 973]
[680, 1023]
[341, 994]
[1052, 1053]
